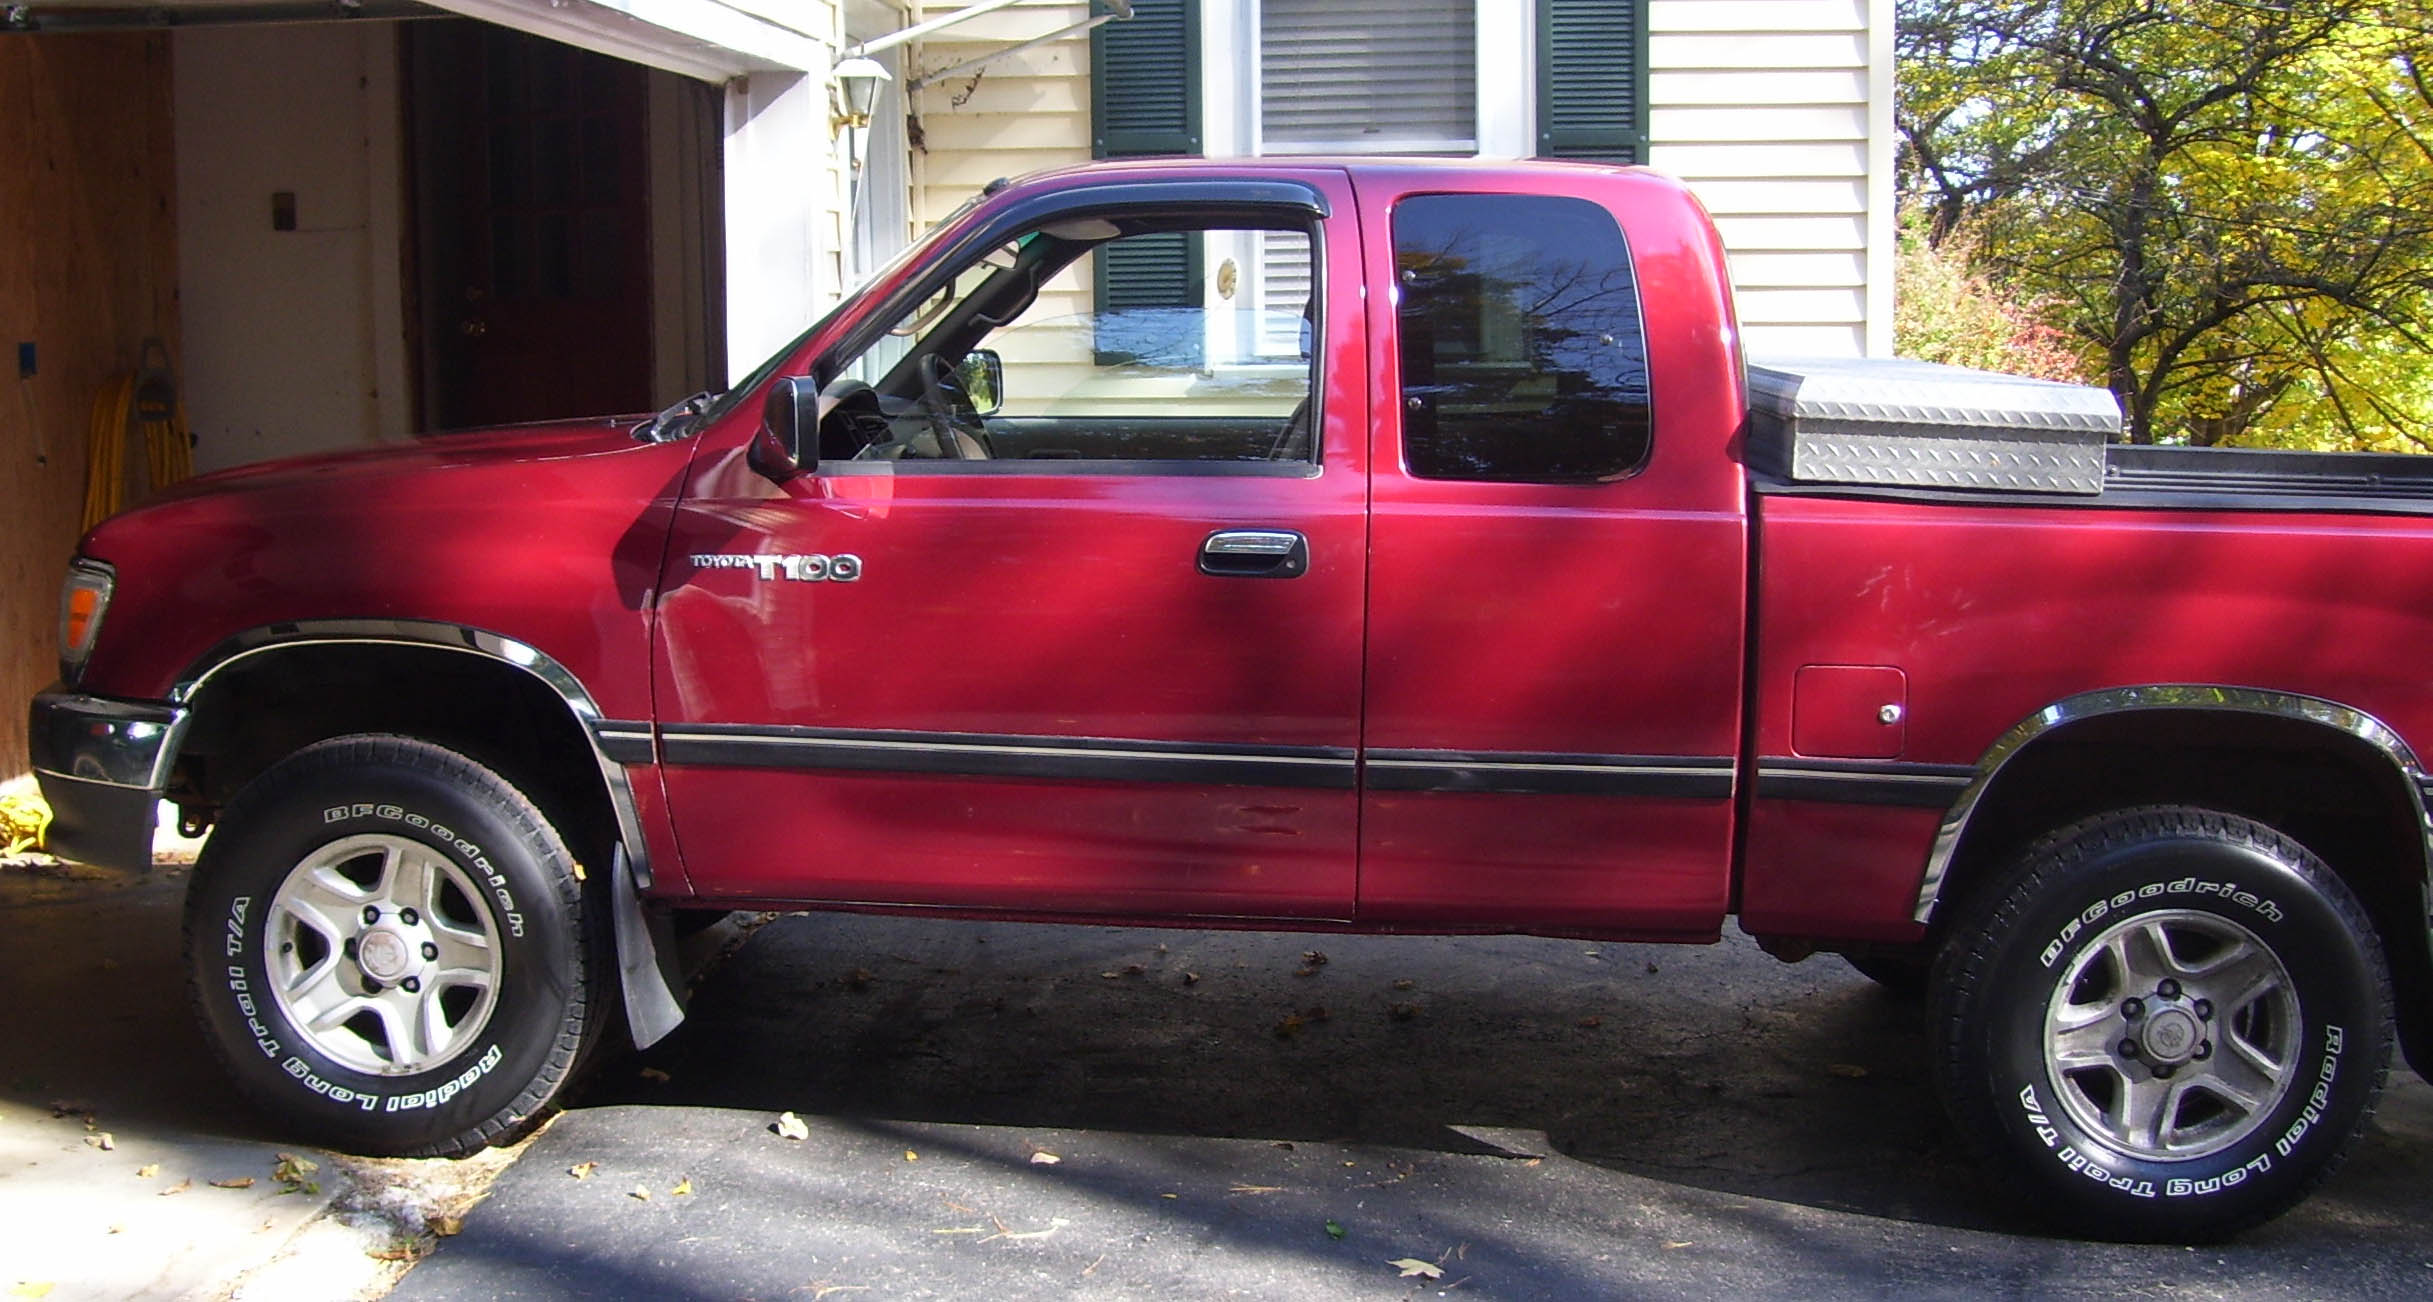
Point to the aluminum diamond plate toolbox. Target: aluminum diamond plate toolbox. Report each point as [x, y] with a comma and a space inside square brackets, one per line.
[1922, 425]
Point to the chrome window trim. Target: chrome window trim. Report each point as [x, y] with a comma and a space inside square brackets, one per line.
[430, 635]
[2167, 696]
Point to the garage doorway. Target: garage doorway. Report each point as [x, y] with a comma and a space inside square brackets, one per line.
[529, 194]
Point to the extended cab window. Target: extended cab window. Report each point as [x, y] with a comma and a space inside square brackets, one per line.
[1129, 338]
[1522, 354]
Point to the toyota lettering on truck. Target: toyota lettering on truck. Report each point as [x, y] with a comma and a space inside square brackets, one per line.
[1373, 545]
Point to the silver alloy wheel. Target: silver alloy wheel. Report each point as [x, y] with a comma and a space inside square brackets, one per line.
[2173, 1035]
[384, 954]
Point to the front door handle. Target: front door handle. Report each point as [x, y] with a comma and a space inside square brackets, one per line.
[1255, 554]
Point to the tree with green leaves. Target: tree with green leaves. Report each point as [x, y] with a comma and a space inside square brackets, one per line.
[2229, 202]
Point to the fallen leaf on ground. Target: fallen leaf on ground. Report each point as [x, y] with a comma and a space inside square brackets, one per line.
[1191, 978]
[1677, 1245]
[1591, 1023]
[1405, 984]
[1403, 1012]
[820, 1289]
[1054, 1225]
[1335, 1230]
[1256, 1189]
[655, 1075]
[178, 1188]
[638, 1192]
[1413, 1266]
[104, 1141]
[291, 1168]
[683, 1189]
[911, 1156]
[1044, 1158]
[1110, 975]
[1288, 1028]
[147, 1171]
[1848, 1070]
[962, 1229]
[858, 979]
[234, 1182]
[583, 1170]
[1313, 958]
[32, 1288]
[406, 1250]
[446, 1227]
[790, 1126]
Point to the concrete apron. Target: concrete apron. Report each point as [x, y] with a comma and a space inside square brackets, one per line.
[129, 1167]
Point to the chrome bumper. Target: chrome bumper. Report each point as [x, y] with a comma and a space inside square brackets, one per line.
[103, 765]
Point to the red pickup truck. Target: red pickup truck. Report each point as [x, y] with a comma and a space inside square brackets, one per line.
[1371, 546]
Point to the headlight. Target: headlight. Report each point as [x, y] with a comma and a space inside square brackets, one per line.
[82, 602]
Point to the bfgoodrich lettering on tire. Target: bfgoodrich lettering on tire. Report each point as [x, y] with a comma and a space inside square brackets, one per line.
[387, 946]
[2168, 1024]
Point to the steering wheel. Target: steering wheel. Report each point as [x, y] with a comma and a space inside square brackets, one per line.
[953, 417]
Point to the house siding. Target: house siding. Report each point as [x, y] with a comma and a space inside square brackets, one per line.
[1770, 110]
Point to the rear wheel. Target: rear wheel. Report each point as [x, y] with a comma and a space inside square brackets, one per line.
[387, 945]
[2169, 1024]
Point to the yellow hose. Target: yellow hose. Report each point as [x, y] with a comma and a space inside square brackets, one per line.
[23, 820]
[169, 453]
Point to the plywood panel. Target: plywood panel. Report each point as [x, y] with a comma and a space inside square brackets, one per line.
[87, 270]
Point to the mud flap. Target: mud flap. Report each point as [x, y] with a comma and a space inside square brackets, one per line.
[646, 954]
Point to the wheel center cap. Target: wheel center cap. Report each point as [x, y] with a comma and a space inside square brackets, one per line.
[385, 956]
[2170, 1035]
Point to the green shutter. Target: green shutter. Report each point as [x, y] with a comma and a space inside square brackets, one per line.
[1145, 100]
[1592, 80]
[1145, 81]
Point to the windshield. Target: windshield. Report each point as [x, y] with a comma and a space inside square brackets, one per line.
[760, 375]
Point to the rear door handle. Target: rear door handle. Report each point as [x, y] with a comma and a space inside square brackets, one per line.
[1255, 554]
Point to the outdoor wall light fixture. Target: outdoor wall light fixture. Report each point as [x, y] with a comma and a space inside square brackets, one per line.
[857, 84]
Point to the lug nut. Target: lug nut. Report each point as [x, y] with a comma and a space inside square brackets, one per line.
[2169, 989]
[2204, 1050]
[348, 948]
[411, 985]
[430, 952]
[370, 987]
[2128, 1048]
[371, 914]
[2164, 1072]
[2133, 1008]
[407, 917]
[2204, 1009]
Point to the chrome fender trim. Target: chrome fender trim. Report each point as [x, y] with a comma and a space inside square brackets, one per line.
[443, 637]
[2168, 696]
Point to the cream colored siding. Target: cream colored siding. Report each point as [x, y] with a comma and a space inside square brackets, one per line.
[1769, 109]
[1020, 114]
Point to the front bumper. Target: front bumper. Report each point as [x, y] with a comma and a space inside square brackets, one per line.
[103, 765]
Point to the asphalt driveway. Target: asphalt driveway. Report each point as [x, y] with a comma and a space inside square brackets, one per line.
[1006, 1111]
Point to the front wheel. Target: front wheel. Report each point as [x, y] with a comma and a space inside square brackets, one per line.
[2169, 1024]
[387, 946]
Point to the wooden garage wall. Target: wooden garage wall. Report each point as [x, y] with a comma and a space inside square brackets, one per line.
[88, 255]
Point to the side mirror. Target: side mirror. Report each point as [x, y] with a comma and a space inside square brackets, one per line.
[788, 441]
[982, 375]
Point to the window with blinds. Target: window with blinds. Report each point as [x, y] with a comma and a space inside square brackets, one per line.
[1368, 77]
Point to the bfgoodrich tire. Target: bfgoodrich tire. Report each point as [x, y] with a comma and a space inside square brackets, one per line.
[387, 945]
[2169, 1024]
